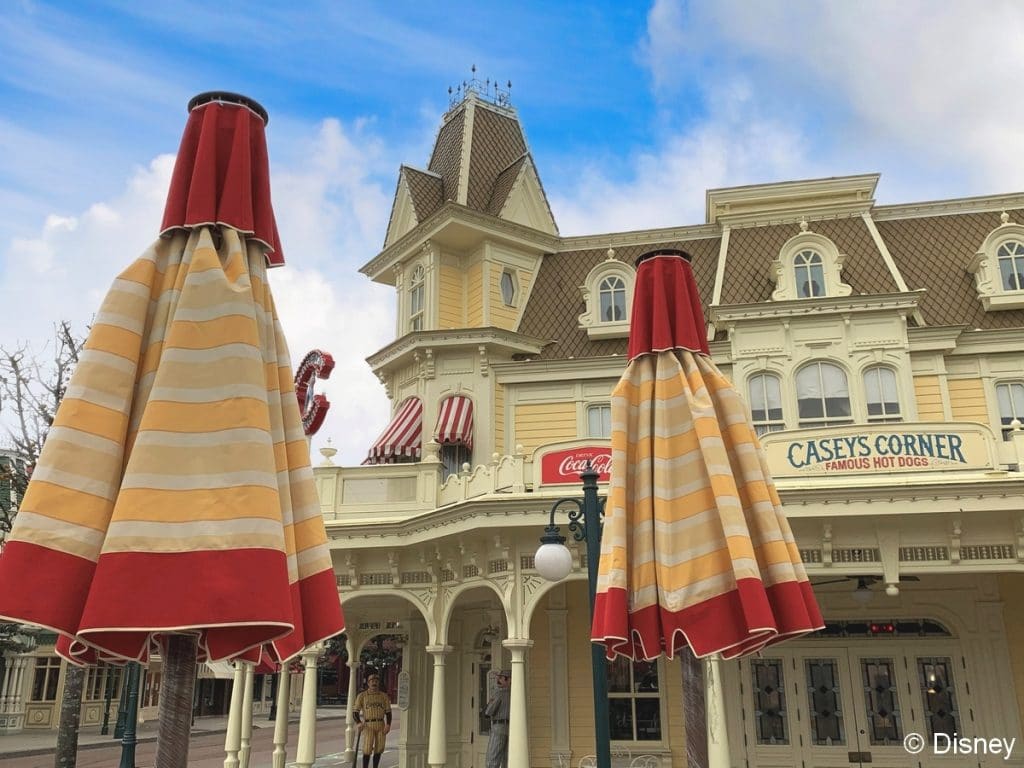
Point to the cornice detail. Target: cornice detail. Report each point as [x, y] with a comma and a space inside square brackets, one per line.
[905, 303]
[430, 341]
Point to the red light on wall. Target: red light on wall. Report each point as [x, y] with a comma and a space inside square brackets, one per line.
[882, 629]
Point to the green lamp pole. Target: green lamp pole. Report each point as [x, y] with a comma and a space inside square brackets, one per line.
[554, 562]
[129, 740]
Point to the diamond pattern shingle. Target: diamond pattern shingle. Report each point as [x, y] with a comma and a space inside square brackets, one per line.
[497, 143]
[752, 250]
[557, 302]
[503, 185]
[933, 253]
[426, 190]
[446, 159]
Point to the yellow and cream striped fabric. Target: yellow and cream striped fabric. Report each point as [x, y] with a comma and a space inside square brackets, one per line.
[177, 473]
[694, 536]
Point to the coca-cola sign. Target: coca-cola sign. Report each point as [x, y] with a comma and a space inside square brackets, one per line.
[564, 467]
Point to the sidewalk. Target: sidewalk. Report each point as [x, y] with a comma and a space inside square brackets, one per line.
[28, 743]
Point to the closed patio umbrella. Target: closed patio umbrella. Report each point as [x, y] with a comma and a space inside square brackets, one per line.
[174, 495]
[695, 547]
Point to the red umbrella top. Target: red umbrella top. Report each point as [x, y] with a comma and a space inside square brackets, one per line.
[695, 547]
[174, 492]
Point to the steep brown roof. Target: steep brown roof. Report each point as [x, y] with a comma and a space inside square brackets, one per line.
[557, 302]
[933, 253]
[752, 250]
[503, 185]
[426, 190]
[497, 143]
[446, 159]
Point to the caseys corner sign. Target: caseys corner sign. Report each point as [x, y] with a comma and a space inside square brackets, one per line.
[870, 448]
[559, 467]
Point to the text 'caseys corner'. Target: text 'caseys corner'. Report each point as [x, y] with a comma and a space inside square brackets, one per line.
[883, 451]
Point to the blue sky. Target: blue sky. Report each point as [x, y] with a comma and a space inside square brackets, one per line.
[632, 111]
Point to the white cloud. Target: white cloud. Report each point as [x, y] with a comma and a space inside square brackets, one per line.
[666, 186]
[921, 86]
[331, 212]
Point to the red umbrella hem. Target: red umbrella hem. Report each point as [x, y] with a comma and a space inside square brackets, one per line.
[737, 623]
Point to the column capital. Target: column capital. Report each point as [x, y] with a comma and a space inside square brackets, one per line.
[439, 650]
[517, 644]
[312, 651]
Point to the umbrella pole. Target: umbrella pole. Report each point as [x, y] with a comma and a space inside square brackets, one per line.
[695, 713]
[175, 717]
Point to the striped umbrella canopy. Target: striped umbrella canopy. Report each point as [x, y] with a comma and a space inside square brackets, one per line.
[174, 493]
[695, 547]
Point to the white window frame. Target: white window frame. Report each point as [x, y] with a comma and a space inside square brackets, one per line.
[809, 272]
[605, 415]
[1012, 412]
[513, 279]
[985, 266]
[610, 287]
[883, 417]
[417, 293]
[633, 695]
[592, 320]
[814, 422]
[784, 268]
[767, 424]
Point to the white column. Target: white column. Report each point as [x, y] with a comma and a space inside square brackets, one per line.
[246, 740]
[5, 690]
[233, 737]
[518, 733]
[437, 748]
[306, 750]
[350, 720]
[21, 669]
[284, 679]
[714, 696]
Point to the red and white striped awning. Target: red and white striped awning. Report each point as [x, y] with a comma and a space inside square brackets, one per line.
[402, 436]
[455, 421]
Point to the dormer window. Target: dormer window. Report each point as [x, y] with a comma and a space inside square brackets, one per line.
[613, 299]
[810, 277]
[416, 292]
[998, 267]
[1011, 265]
[809, 266]
[608, 293]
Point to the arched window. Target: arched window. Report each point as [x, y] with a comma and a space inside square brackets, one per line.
[1011, 265]
[810, 274]
[1010, 395]
[882, 395]
[416, 299]
[766, 403]
[613, 299]
[822, 395]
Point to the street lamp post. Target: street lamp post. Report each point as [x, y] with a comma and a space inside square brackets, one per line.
[129, 739]
[553, 561]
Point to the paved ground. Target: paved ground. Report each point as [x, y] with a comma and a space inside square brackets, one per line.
[35, 750]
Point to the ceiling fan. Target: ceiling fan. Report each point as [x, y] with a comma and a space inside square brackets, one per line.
[863, 593]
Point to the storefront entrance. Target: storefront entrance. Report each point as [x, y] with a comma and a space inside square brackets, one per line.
[853, 700]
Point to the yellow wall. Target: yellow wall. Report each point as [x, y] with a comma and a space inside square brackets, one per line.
[502, 315]
[475, 296]
[928, 393]
[581, 691]
[499, 419]
[1011, 586]
[450, 303]
[539, 423]
[967, 399]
